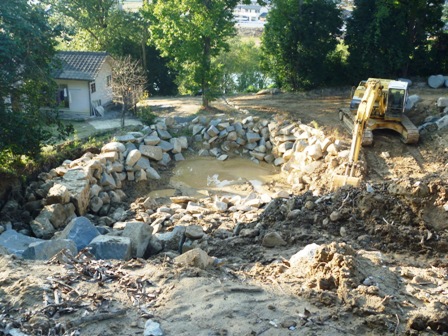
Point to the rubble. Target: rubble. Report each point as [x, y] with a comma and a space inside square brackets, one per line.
[243, 238]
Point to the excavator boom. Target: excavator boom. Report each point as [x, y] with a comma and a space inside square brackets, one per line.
[365, 108]
[379, 104]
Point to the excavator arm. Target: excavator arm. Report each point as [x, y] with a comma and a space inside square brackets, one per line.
[366, 106]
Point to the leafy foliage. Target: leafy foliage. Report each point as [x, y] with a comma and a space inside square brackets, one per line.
[99, 25]
[26, 54]
[299, 42]
[192, 33]
[241, 69]
[393, 38]
[146, 116]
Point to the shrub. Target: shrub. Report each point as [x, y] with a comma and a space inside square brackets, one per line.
[145, 115]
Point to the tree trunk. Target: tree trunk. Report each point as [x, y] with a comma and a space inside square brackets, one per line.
[206, 72]
[123, 114]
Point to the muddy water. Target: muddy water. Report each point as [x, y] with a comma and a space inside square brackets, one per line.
[204, 176]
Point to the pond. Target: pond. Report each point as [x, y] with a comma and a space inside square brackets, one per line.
[205, 176]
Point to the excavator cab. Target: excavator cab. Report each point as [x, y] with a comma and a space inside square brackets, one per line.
[396, 100]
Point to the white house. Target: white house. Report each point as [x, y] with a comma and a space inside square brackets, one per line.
[84, 81]
[130, 5]
[248, 13]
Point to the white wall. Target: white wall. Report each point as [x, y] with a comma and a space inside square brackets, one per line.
[78, 93]
[103, 92]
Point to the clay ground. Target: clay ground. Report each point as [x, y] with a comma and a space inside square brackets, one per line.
[381, 271]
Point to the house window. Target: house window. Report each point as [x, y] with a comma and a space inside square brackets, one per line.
[92, 87]
[109, 80]
[62, 97]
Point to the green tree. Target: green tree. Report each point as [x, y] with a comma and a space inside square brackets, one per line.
[193, 33]
[241, 66]
[100, 25]
[389, 38]
[299, 42]
[26, 55]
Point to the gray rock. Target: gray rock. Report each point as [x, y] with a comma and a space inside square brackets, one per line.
[252, 137]
[111, 247]
[41, 225]
[195, 258]
[140, 175]
[58, 193]
[44, 250]
[197, 129]
[152, 328]
[212, 131]
[194, 232]
[273, 239]
[81, 231]
[107, 180]
[142, 163]
[166, 159]
[178, 157]
[113, 147]
[222, 157]
[152, 174]
[183, 142]
[95, 204]
[166, 146]
[411, 102]
[177, 146]
[15, 242]
[79, 189]
[164, 135]
[140, 234]
[442, 102]
[151, 140]
[132, 158]
[153, 152]
[436, 81]
[154, 246]
[125, 138]
[171, 240]
[95, 190]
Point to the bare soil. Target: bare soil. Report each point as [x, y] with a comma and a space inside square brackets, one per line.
[381, 267]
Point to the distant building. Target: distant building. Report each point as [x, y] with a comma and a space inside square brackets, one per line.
[130, 5]
[248, 13]
[84, 81]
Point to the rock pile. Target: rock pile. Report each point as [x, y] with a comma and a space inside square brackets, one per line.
[437, 81]
[92, 186]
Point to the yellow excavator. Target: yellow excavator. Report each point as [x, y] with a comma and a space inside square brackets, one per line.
[379, 104]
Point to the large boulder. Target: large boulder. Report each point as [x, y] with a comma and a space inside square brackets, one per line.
[171, 240]
[153, 152]
[77, 183]
[41, 225]
[44, 250]
[81, 231]
[194, 258]
[436, 81]
[58, 193]
[111, 247]
[15, 242]
[140, 234]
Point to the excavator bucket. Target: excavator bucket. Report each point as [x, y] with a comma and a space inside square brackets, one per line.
[342, 180]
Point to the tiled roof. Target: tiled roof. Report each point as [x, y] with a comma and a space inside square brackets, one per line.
[80, 65]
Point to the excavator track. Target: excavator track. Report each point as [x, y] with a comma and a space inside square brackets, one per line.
[348, 119]
[412, 135]
[409, 133]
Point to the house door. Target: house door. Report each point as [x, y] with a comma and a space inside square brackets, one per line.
[63, 98]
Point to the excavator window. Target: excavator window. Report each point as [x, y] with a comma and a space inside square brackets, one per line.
[396, 98]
